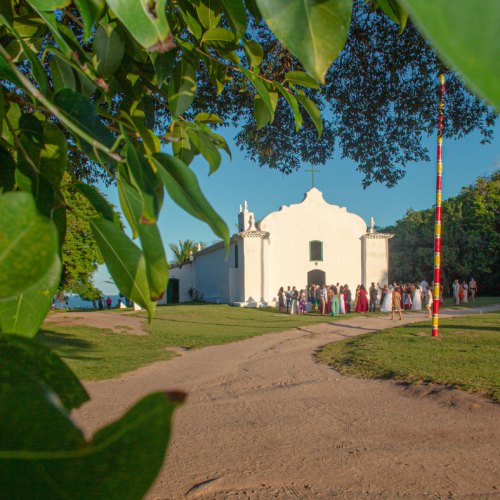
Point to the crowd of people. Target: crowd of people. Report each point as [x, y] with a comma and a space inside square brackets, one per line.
[338, 299]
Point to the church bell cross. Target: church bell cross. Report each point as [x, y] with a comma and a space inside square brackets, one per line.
[313, 171]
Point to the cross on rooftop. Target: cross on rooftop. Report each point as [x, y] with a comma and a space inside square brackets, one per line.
[313, 171]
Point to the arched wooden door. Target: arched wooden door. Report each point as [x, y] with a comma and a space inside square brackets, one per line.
[316, 277]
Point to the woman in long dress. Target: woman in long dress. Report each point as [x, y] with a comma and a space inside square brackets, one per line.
[281, 299]
[335, 301]
[387, 304]
[466, 293]
[362, 305]
[430, 300]
[356, 297]
[417, 299]
[294, 307]
[302, 302]
[341, 301]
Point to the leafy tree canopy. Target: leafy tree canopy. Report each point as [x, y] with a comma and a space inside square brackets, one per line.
[470, 239]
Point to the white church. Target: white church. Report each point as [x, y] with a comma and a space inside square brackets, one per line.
[310, 242]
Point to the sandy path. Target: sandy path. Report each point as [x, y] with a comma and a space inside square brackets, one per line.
[118, 322]
[263, 419]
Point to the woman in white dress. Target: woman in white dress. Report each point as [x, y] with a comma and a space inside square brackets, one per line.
[430, 300]
[466, 293]
[342, 302]
[294, 309]
[387, 305]
[417, 299]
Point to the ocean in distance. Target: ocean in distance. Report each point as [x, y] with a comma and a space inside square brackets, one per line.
[78, 303]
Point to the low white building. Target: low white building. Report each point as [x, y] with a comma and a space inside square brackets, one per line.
[310, 242]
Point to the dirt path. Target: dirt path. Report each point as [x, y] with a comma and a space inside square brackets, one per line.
[264, 420]
[118, 322]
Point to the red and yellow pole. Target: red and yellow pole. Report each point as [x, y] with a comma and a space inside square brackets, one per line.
[437, 225]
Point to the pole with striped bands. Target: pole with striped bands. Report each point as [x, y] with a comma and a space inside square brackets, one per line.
[437, 225]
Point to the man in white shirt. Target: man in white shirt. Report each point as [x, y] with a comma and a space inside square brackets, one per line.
[288, 299]
[324, 299]
[423, 288]
[456, 292]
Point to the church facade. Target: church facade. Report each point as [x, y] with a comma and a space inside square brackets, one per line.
[309, 242]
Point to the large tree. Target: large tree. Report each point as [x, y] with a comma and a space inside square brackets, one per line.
[470, 238]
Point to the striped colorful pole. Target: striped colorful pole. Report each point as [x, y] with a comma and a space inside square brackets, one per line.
[437, 225]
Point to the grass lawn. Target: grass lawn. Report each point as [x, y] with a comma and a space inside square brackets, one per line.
[96, 354]
[465, 355]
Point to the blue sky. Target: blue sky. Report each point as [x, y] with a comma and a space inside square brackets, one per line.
[266, 190]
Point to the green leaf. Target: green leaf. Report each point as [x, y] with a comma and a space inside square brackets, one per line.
[23, 314]
[125, 262]
[48, 457]
[149, 111]
[205, 145]
[182, 87]
[149, 27]
[29, 356]
[465, 35]
[251, 5]
[164, 64]
[254, 52]
[209, 13]
[32, 129]
[301, 78]
[28, 243]
[222, 144]
[145, 180]
[220, 39]
[100, 204]
[394, 12]
[313, 30]
[7, 74]
[188, 13]
[2, 107]
[183, 188]
[260, 110]
[109, 51]
[292, 102]
[261, 89]
[236, 16]
[207, 118]
[62, 41]
[313, 111]
[91, 11]
[183, 149]
[81, 110]
[49, 5]
[7, 170]
[62, 74]
[151, 244]
[36, 68]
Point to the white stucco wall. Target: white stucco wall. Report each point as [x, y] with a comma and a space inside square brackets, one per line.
[185, 276]
[377, 261]
[292, 228]
[256, 267]
[215, 277]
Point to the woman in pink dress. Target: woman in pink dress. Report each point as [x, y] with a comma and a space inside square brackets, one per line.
[362, 305]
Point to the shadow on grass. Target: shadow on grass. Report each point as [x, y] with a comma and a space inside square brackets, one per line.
[62, 340]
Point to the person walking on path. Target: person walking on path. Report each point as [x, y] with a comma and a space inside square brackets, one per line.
[430, 300]
[456, 292]
[335, 301]
[466, 292]
[348, 298]
[396, 303]
[373, 297]
[108, 303]
[473, 288]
